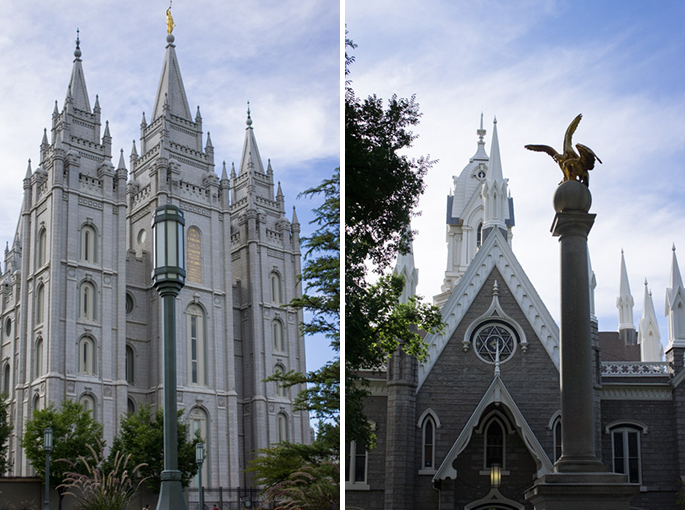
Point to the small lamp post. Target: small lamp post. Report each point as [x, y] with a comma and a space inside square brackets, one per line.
[200, 458]
[495, 476]
[168, 277]
[47, 448]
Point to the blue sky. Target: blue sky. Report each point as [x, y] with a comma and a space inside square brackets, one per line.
[282, 57]
[535, 65]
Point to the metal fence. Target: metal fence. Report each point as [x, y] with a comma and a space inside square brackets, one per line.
[224, 498]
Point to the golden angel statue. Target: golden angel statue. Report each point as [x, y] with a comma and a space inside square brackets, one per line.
[169, 20]
[574, 166]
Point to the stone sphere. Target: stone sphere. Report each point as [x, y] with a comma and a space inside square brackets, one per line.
[170, 38]
[572, 196]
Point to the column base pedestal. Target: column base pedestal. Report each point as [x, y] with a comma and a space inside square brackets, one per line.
[171, 492]
[589, 491]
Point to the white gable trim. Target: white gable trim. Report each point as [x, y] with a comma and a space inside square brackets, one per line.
[493, 497]
[495, 252]
[496, 393]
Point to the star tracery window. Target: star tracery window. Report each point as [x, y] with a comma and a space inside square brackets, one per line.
[494, 341]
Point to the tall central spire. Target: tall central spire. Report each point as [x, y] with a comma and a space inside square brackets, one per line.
[77, 90]
[171, 89]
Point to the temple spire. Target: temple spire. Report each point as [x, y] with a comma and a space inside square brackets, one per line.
[675, 306]
[171, 87]
[648, 336]
[77, 90]
[625, 303]
[250, 160]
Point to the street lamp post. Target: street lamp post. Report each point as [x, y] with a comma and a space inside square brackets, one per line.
[47, 448]
[200, 458]
[168, 277]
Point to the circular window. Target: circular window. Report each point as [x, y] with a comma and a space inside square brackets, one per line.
[129, 303]
[8, 327]
[495, 341]
[142, 236]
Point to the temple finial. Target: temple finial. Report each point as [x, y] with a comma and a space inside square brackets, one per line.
[77, 51]
[249, 119]
[481, 132]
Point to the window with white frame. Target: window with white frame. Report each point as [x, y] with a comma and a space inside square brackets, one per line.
[88, 244]
[198, 427]
[41, 248]
[38, 358]
[428, 434]
[87, 301]
[355, 465]
[196, 344]
[625, 449]
[276, 289]
[86, 361]
[279, 343]
[282, 424]
[40, 303]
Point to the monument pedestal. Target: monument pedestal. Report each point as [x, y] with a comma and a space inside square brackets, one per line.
[586, 491]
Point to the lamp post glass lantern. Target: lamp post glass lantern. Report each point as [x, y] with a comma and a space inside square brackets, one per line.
[47, 448]
[495, 476]
[168, 277]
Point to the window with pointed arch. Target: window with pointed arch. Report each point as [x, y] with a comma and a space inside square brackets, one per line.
[87, 301]
[38, 359]
[279, 342]
[88, 403]
[495, 443]
[556, 431]
[35, 403]
[88, 244]
[625, 451]
[280, 389]
[479, 235]
[131, 407]
[196, 344]
[41, 248]
[130, 364]
[276, 289]
[282, 424]
[86, 358]
[40, 303]
[6, 378]
[428, 442]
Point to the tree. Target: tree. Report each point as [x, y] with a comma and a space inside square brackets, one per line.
[74, 431]
[141, 436]
[378, 208]
[294, 472]
[5, 432]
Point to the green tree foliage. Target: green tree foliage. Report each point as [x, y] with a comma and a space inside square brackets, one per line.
[74, 430]
[5, 432]
[384, 186]
[289, 470]
[141, 436]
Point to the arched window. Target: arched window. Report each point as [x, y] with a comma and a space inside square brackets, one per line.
[40, 305]
[86, 359]
[38, 359]
[276, 289]
[129, 364]
[198, 427]
[196, 345]
[428, 457]
[494, 443]
[279, 344]
[557, 439]
[479, 235]
[8, 327]
[88, 244]
[282, 421]
[35, 403]
[130, 304]
[41, 247]
[87, 301]
[194, 255]
[626, 455]
[280, 389]
[88, 403]
[131, 406]
[6, 378]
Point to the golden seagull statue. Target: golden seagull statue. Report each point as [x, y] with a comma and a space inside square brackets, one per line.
[575, 167]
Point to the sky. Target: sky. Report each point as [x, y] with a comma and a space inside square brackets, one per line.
[284, 58]
[535, 65]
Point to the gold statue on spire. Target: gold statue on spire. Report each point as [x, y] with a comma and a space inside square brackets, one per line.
[169, 20]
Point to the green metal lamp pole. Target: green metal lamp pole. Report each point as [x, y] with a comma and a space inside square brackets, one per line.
[47, 447]
[168, 277]
[200, 458]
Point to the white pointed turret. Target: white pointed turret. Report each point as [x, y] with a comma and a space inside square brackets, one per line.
[648, 335]
[250, 160]
[675, 306]
[405, 267]
[494, 190]
[171, 89]
[77, 90]
[625, 304]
